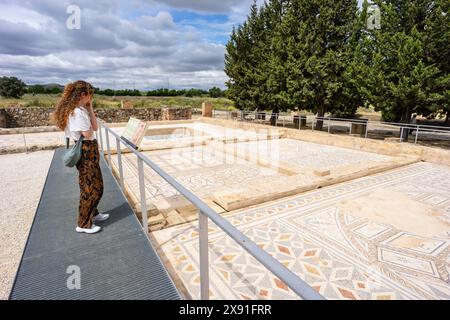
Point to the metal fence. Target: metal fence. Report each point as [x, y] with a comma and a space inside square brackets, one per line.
[299, 286]
[284, 119]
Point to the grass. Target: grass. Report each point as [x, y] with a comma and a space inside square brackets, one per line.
[50, 100]
[107, 102]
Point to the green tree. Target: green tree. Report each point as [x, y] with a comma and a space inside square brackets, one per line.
[244, 61]
[320, 45]
[36, 89]
[194, 92]
[394, 73]
[276, 66]
[437, 43]
[293, 53]
[215, 92]
[12, 87]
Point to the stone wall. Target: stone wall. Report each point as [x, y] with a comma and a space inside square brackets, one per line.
[27, 117]
[176, 113]
[33, 117]
[122, 115]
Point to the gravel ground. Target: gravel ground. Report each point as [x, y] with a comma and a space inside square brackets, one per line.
[22, 179]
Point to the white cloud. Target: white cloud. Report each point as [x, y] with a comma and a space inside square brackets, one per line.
[120, 42]
[208, 6]
[162, 21]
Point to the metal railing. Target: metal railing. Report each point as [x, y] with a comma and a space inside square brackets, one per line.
[283, 119]
[299, 286]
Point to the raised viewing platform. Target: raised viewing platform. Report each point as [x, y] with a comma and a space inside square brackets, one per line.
[117, 263]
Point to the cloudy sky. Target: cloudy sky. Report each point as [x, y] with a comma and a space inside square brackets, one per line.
[144, 44]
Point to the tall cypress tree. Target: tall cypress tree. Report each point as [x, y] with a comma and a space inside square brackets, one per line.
[437, 35]
[237, 65]
[275, 67]
[246, 50]
[232, 68]
[318, 53]
[396, 76]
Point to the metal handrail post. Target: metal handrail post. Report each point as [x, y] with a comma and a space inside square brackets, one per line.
[417, 135]
[108, 148]
[101, 139]
[367, 130]
[204, 256]
[401, 134]
[119, 161]
[142, 195]
[329, 125]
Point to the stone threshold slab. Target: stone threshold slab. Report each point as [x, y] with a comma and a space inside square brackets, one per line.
[279, 187]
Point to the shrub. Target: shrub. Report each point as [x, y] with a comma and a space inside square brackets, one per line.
[12, 87]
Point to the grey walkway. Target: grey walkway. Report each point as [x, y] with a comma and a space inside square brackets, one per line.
[117, 263]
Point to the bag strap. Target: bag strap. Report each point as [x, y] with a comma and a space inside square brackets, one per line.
[81, 139]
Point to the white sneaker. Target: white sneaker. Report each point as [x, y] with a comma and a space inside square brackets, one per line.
[92, 229]
[100, 217]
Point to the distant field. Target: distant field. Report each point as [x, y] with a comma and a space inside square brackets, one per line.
[50, 100]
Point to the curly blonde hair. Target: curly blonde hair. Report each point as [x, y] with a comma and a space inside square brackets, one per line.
[69, 101]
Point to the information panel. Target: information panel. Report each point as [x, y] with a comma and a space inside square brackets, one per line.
[135, 132]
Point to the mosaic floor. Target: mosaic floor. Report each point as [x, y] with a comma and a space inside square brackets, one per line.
[385, 236]
[302, 155]
[201, 169]
[219, 167]
[196, 132]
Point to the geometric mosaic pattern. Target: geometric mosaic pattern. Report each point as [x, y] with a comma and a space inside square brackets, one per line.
[303, 155]
[201, 169]
[340, 253]
[216, 167]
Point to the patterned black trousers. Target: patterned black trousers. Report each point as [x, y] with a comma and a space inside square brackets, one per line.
[90, 181]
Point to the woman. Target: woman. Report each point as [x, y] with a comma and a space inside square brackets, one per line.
[74, 115]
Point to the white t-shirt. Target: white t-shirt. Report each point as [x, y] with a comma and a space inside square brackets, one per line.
[77, 122]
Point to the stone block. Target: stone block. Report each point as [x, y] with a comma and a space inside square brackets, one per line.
[3, 118]
[207, 109]
[322, 173]
[127, 104]
[158, 219]
[151, 210]
[157, 227]
[174, 218]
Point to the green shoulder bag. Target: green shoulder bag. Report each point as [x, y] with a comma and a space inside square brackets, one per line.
[73, 155]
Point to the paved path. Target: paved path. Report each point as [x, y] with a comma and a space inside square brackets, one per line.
[117, 263]
[22, 177]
